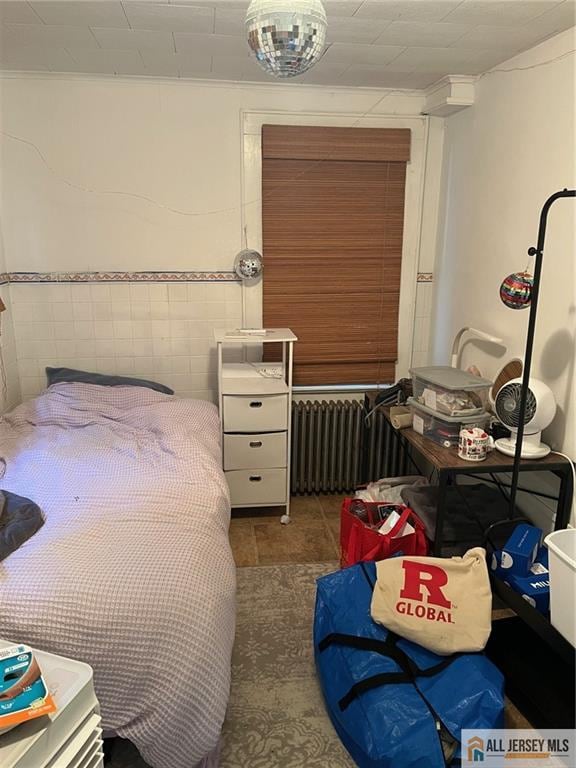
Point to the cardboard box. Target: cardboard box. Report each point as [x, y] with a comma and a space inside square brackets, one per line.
[520, 551]
[534, 589]
[500, 565]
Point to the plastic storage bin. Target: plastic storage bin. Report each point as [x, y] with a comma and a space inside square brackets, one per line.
[444, 430]
[562, 566]
[450, 391]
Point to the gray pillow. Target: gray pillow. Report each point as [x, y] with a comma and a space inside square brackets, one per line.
[68, 375]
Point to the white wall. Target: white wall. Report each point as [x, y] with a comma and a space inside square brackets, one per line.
[110, 174]
[502, 158]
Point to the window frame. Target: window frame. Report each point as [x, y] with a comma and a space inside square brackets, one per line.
[421, 209]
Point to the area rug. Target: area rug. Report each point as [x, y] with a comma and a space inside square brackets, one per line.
[276, 716]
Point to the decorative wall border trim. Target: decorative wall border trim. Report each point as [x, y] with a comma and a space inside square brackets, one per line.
[139, 277]
[121, 277]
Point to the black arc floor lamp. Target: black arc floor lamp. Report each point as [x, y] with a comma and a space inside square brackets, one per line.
[532, 299]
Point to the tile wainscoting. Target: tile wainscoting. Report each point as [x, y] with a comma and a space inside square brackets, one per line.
[156, 330]
[422, 318]
[8, 347]
[155, 325]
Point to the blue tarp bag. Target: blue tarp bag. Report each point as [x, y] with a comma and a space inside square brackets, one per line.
[393, 703]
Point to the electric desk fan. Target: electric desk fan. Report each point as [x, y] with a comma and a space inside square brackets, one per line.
[540, 410]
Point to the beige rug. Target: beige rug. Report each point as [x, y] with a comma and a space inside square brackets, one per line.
[276, 716]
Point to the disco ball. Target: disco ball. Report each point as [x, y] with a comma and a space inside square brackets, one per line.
[286, 36]
[516, 290]
[248, 265]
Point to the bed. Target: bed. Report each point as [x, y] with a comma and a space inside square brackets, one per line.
[132, 571]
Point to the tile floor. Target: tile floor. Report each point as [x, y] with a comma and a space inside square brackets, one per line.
[258, 538]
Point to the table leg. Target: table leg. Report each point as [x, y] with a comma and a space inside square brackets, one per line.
[564, 499]
[444, 479]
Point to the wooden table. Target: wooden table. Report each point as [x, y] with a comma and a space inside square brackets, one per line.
[449, 465]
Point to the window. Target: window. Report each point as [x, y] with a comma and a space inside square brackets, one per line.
[332, 226]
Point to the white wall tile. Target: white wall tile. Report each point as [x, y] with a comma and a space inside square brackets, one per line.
[179, 329]
[177, 293]
[123, 329]
[120, 310]
[66, 348]
[80, 292]
[125, 365]
[120, 292]
[157, 330]
[102, 310]
[61, 311]
[82, 311]
[106, 365]
[122, 347]
[83, 329]
[158, 292]
[104, 329]
[64, 330]
[146, 364]
[142, 347]
[99, 292]
[159, 310]
[142, 329]
[140, 310]
[103, 347]
[180, 346]
[160, 329]
[139, 292]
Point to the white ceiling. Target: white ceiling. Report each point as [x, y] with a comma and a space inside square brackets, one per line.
[377, 43]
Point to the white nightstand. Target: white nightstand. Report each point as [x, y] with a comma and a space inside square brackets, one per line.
[255, 411]
[72, 736]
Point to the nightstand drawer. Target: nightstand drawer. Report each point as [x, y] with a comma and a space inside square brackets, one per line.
[257, 486]
[255, 414]
[264, 450]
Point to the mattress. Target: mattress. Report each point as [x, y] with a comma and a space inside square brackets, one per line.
[132, 571]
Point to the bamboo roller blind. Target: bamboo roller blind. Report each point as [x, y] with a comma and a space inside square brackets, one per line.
[332, 220]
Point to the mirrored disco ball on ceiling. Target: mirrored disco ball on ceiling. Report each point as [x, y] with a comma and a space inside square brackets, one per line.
[248, 264]
[286, 36]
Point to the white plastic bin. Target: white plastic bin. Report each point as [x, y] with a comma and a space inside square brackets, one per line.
[562, 546]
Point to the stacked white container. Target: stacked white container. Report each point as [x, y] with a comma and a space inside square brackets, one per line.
[445, 400]
[72, 736]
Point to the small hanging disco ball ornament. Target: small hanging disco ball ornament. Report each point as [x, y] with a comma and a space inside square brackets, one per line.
[286, 36]
[248, 264]
[516, 290]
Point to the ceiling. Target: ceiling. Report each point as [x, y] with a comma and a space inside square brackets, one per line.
[374, 43]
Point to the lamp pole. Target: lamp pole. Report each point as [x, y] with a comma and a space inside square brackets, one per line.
[538, 252]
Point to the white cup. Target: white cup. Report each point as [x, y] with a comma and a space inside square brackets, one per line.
[474, 444]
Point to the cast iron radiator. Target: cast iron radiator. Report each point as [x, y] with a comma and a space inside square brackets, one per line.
[335, 448]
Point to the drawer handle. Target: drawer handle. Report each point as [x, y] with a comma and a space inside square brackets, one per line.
[255, 478]
[256, 444]
[256, 404]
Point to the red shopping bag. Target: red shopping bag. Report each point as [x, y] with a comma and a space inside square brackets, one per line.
[360, 540]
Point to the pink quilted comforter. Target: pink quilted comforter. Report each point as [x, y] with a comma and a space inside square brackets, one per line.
[132, 571]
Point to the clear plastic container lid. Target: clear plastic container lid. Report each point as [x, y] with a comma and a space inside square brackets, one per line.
[450, 378]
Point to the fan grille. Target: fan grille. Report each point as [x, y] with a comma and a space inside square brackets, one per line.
[507, 405]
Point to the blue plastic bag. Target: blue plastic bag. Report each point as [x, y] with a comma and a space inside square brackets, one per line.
[393, 703]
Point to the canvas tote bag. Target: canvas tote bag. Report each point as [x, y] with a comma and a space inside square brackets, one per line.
[443, 604]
